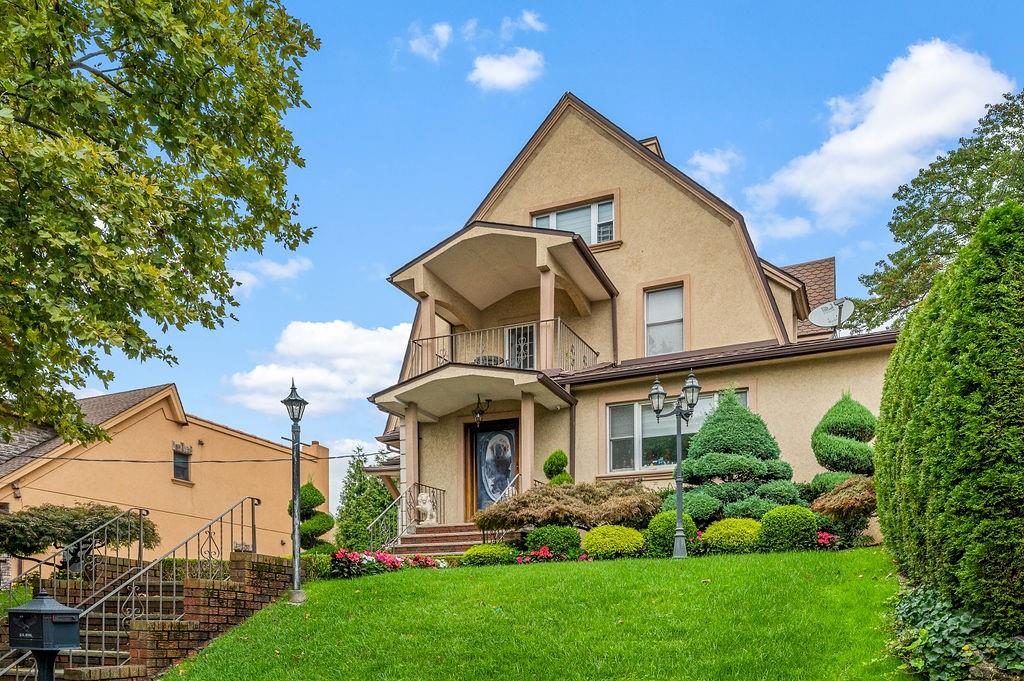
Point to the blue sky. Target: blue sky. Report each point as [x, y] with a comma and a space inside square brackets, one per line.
[805, 116]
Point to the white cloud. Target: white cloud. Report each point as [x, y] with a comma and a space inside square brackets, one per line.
[333, 363]
[507, 71]
[528, 20]
[881, 137]
[470, 29]
[252, 275]
[430, 45]
[710, 168]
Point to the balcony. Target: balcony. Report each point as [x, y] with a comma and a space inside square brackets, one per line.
[515, 346]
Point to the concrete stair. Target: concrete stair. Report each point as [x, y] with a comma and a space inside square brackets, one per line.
[441, 540]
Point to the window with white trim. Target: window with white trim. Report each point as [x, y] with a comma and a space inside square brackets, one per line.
[663, 320]
[594, 222]
[637, 440]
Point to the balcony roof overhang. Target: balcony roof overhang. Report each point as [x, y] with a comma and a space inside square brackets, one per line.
[486, 261]
[452, 387]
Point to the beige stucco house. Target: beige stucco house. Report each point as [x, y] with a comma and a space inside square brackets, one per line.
[162, 459]
[592, 266]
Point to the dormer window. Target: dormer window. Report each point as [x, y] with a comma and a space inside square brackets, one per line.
[595, 222]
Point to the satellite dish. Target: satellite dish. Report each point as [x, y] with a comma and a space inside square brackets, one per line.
[831, 315]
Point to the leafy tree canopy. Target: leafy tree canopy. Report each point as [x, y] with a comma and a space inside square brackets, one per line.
[36, 528]
[938, 211]
[141, 143]
[363, 498]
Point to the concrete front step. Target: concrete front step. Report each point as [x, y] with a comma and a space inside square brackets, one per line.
[441, 538]
[435, 529]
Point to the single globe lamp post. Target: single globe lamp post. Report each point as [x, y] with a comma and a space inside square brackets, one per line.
[682, 410]
[295, 406]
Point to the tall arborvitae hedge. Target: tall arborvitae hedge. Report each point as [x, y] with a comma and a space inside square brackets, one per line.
[949, 457]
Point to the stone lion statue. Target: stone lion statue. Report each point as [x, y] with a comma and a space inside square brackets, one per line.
[425, 506]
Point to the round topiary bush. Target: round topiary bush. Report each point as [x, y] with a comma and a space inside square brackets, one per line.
[702, 507]
[562, 478]
[841, 439]
[780, 491]
[734, 429]
[613, 541]
[660, 535]
[776, 469]
[752, 507]
[558, 538]
[488, 554]
[949, 457]
[732, 535]
[823, 483]
[788, 528]
[556, 463]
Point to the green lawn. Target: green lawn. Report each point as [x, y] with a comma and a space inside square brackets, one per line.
[814, 616]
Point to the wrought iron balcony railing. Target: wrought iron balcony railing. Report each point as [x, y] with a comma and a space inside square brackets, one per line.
[515, 346]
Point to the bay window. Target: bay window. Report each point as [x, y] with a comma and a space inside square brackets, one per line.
[637, 440]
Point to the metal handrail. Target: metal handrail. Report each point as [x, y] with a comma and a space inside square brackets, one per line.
[491, 347]
[93, 581]
[402, 514]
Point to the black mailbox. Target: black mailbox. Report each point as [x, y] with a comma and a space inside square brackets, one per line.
[43, 624]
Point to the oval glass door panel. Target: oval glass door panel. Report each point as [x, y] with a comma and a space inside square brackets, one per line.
[494, 454]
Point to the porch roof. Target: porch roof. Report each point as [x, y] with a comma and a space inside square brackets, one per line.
[451, 387]
[485, 261]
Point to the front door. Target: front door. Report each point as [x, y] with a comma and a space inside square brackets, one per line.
[493, 461]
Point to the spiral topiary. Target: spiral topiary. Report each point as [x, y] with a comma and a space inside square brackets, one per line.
[841, 440]
[312, 523]
[555, 464]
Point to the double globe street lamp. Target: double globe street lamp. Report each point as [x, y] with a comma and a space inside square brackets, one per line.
[683, 410]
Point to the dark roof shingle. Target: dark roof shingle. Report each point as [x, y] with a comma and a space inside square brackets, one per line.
[819, 278]
[35, 441]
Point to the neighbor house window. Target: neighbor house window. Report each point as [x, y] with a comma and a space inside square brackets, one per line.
[637, 440]
[663, 320]
[182, 461]
[594, 222]
[5, 508]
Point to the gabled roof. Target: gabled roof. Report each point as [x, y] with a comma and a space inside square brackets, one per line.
[710, 200]
[35, 441]
[819, 278]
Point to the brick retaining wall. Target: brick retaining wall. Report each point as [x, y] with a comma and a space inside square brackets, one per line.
[129, 672]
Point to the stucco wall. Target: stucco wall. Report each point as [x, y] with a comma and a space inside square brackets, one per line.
[666, 232]
[177, 508]
[791, 395]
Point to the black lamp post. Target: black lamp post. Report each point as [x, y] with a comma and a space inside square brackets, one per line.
[295, 406]
[683, 410]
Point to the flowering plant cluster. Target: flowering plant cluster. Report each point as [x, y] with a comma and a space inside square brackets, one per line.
[346, 564]
[827, 540]
[544, 555]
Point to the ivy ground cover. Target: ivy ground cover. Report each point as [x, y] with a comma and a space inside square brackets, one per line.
[787, 616]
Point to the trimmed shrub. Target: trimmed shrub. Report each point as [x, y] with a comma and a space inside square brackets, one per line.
[823, 483]
[660, 535]
[613, 541]
[582, 505]
[734, 429]
[703, 508]
[841, 439]
[488, 554]
[949, 455]
[321, 547]
[807, 493]
[312, 523]
[732, 535]
[780, 491]
[562, 478]
[788, 528]
[729, 491]
[558, 538]
[726, 467]
[777, 469]
[752, 507]
[555, 464]
[316, 565]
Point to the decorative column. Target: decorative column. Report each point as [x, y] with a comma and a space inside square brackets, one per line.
[546, 341]
[527, 432]
[411, 458]
[427, 330]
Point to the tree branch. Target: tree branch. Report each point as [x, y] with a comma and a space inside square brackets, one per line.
[102, 76]
[24, 121]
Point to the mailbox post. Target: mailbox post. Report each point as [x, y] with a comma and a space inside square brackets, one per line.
[44, 627]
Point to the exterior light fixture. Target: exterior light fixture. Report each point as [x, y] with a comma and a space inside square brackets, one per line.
[296, 406]
[689, 395]
[481, 408]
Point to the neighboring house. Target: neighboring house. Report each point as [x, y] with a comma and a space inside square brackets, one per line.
[182, 487]
[590, 268]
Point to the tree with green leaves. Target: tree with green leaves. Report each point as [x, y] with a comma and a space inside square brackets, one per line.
[938, 211]
[141, 144]
[363, 498]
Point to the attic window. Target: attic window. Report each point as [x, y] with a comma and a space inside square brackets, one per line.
[595, 222]
[182, 461]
